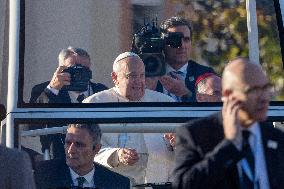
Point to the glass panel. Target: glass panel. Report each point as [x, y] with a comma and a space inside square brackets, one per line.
[147, 142]
[152, 148]
[104, 31]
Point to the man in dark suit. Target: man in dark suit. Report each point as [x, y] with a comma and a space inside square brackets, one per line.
[55, 91]
[15, 170]
[82, 143]
[181, 71]
[233, 149]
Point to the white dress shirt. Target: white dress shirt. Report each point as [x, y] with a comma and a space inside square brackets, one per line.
[89, 178]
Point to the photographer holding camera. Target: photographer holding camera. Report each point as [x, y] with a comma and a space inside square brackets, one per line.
[70, 80]
[70, 83]
[178, 73]
[181, 71]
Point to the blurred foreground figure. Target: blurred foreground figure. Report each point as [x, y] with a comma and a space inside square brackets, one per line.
[15, 170]
[233, 149]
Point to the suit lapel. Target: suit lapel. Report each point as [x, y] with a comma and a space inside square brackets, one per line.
[61, 177]
[270, 153]
[65, 176]
[98, 177]
[232, 178]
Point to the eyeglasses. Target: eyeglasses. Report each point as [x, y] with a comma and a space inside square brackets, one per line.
[134, 76]
[260, 89]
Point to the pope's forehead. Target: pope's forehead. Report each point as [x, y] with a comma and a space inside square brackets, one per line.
[132, 62]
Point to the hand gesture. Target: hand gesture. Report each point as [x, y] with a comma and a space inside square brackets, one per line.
[175, 85]
[231, 122]
[60, 78]
[171, 138]
[127, 156]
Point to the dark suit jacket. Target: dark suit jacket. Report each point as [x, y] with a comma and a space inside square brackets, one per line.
[204, 159]
[193, 71]
[62, 97]
[15, 170]
[53, 174]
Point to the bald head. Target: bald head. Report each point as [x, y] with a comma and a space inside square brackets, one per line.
[241, 73]
[246, 84]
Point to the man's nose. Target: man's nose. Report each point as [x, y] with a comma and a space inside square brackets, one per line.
[71, 148]
[183, 43]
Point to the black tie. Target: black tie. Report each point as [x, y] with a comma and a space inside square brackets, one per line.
[81, 181]
[80, 98]
[248, 155]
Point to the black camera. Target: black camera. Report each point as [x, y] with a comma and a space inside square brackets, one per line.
[80, 77]
[149, 44]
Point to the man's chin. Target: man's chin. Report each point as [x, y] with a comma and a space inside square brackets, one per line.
[71, 162]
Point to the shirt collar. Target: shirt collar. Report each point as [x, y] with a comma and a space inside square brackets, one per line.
[183, 69]
[89, 176]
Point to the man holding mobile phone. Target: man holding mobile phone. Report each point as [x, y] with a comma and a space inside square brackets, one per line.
[233, 148]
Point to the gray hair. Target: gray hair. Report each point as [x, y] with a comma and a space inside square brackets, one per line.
[93, 129]
[174, 22]
[65, 53]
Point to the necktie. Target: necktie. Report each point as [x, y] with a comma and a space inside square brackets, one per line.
[174, 75]
[247, 150]
[248, 155]
[80, 98]
[81, 181]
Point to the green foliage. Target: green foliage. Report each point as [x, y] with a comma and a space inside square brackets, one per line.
[220, 34]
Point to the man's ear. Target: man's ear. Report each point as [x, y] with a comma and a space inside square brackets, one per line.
[114, 78]
[97, 148]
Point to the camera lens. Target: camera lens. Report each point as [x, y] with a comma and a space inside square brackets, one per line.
[154, 64]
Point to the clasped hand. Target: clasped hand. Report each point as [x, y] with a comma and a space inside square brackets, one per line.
[127, 156]
[175, 85]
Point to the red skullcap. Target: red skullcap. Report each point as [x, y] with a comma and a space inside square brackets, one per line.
[203, 76]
